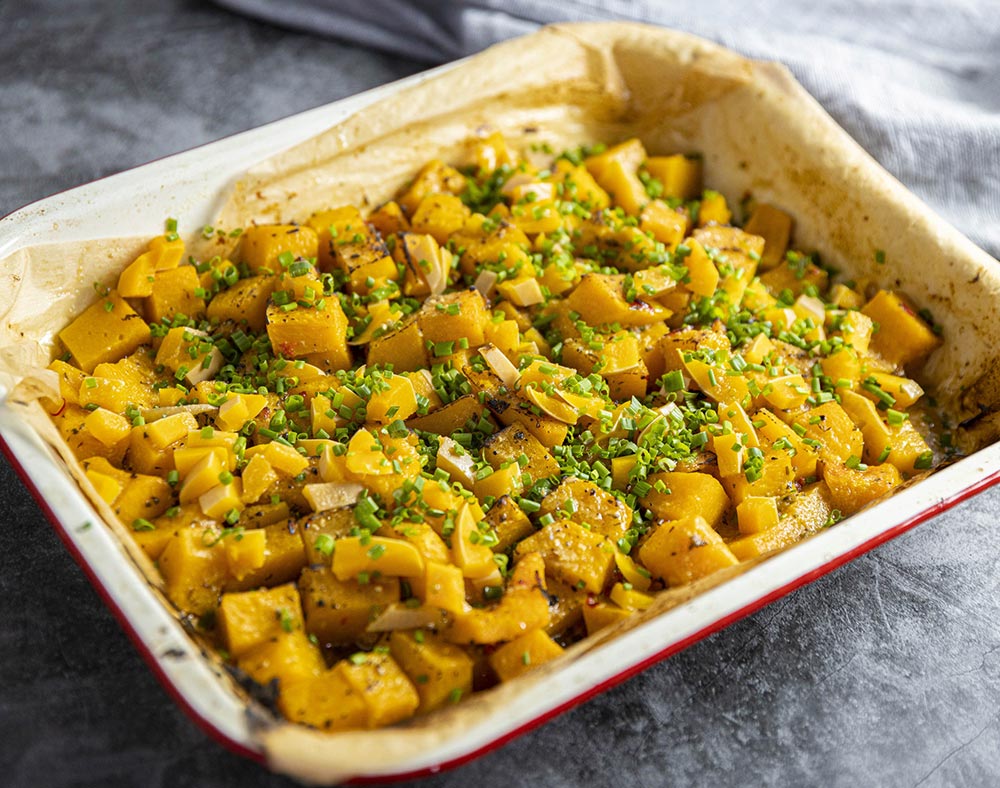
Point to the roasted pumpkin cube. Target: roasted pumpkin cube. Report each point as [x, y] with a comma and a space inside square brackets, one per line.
[388, 694]
[289, 657]
[844, 297]
[757, 513]
[510, 443]
[395, 399]
[631, 154]
[194, 570]
[681, 496]
[521, 655]
[103, 333]
[509, 523]
[449, 418]
[775, 227]
[904, 390]
[566, 605]
[852, 489]
[174, 294]
[249, 618]
[108, 427]
[453, 316]
[780, 437]
[319, 532]
[903, 336]
[575, 554]
[245, 303]
[585, 503]
[807, 513]
[404, 350]
[348, 243]
[142, 497]
[311, 333]
[903, 447]
[713, 209]
[439, 215]
[70, 380]
[435, 177]
[504, 243]
[830, 425]
[774, 477]
[675, 345]
[326, 701]
[682, 551]
[841, 365]
[189, 354]
[617, 360]
[339, 611]
[389, 219]
[513, 409]
[438, 670]
[136, 281]
[501, 481]
[667, 225]
[620, 180]
[284, 558]
[263, 244]
[736, 252]
[599, 299]
[71, 423]
[523, 607]
[579, 185]
[679, 175]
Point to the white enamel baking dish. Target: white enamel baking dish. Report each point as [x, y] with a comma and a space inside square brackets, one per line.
[191, 187]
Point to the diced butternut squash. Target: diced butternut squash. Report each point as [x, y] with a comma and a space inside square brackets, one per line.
[264, 244]
[523, 607]
[389, 696]
[194, 570]
[439, 671]
[249, 618]
[577, 555]
[104, 332]
[245, 303]
[852, 489]
[590, 506]
[289, 657]
[326, 701]
[679, 175]
[316, 334]
[524, 653]
[339, 611]
[903, 337]
[775, 227]
[808, 513]
[173, 294]
[681, 551]
[682, 496]
[757, 513]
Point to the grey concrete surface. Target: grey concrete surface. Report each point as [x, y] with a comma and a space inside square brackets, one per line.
[886, 672]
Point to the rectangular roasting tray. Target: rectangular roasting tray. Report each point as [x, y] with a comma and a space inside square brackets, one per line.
[759, 132]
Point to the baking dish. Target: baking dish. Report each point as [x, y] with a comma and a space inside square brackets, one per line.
[570, 83]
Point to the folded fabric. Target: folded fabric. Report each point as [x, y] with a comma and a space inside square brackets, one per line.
[917, 84]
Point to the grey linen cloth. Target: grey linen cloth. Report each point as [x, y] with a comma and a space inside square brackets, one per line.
[916, 83]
